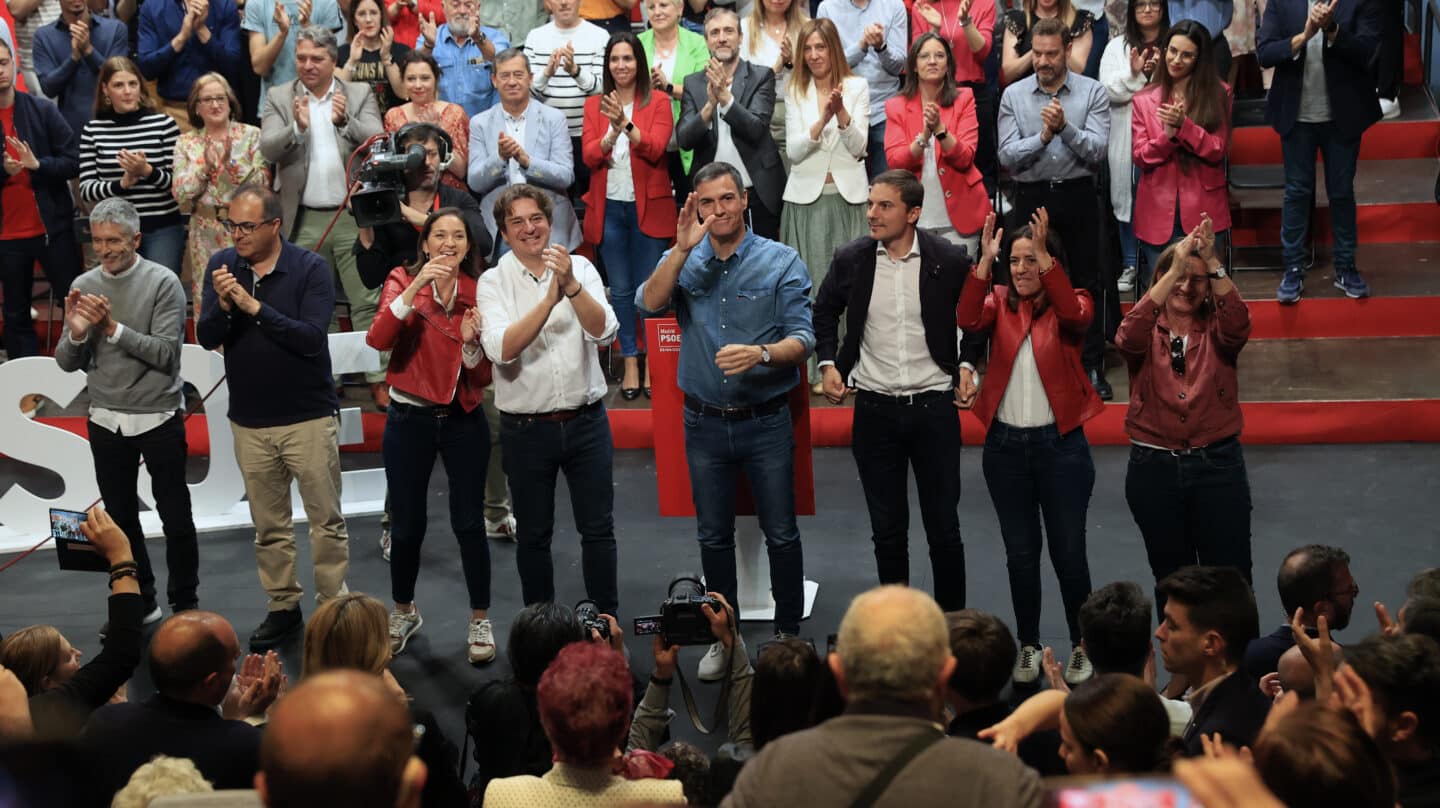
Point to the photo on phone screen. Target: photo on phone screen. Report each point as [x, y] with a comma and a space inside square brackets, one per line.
[66, 525]
[1155, 792]
[646, 625]
[72, 549]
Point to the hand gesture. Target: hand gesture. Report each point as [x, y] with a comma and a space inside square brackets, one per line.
[929, 13]
[553, 66]
[281, 17]
[202, 10]
[1053, 116]
[568, 55]
[428, 29]
[932, 118]
[689, 230]
[1039, 233]
[107, 536]
[470, 326]
[301, 109]
[257, 684]
[1324, 14]
[1318, 651]
[134, 163]
[1054, 671]
[657, 78]
[836, 104]
[305, 7]
[787, 51]
[966, 390]
[557, 260]
[24, 156]
[387, 41]
[77, 316]
[992, 239]
[1152, 58]
[1184, 248]
[611, 108]
[222, 281]
[506, 146]
[1270, 686]
[1215, 748]
[735, 359]
[1137, 60]
[434, 270]
[80, 40]
[714, 80]
[666, 658]
[834, 384]
[964, 10]
[1228, 783]
[1388, 626]
[217, 154]
[337, 108]
[1351, 693]
[1204, 234]
[1173, 116]
[874, 36]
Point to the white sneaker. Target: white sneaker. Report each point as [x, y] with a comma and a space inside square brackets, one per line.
[481, 642]
[1126, 283]
[1389, 108]
[1027, 666]
[712, 666]
[385, 544]
[503, 530]
[1079, 668]
[403, 626]
[154, 616]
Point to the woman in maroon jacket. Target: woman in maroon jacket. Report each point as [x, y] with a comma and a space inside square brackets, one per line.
[1186, 484]
[1034, 403]
[428, 321]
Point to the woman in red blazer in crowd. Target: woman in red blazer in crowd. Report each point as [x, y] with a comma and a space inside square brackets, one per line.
[629, 208]
[428, 321]
[1034, 402]
[932, 132]
[1180, 127]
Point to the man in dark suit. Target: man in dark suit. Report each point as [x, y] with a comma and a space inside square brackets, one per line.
[1315, 578]
[1322, 100]
[898, 288]
[1209, 617]
[193, 713]
[725, 116]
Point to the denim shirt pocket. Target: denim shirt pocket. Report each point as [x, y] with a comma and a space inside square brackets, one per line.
[753, 313]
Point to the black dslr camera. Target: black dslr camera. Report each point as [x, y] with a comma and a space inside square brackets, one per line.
[681, 622]
[382, 178]
[589, 613]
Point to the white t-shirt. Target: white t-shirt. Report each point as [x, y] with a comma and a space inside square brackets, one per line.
[620, 183]
[766, 54]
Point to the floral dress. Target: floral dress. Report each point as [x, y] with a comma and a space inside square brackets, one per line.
[203, 191]
[449, 117]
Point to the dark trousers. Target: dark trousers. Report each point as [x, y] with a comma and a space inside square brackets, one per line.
[763, 448]
[875, 161]
[619, 24]
[679, 180]
[413, 438]
[59, 256]
[1390, 57]
[891, 438]
[1036, 474]
[764, 221]
[582, 172]
[986, 147]
[117, 472]
[1074, 209]
[1191, 508]
[1341, 155]
[534, 451]
[1221, 49]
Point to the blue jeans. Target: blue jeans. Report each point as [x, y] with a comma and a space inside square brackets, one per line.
[413, 437]
[1035, 473]
[1298, 151]
[1128, 250]
[630, 256]
[1191, 508]
[165, 246]
[763, 449]
[534, 450]
[875, 162]
[1151, 253]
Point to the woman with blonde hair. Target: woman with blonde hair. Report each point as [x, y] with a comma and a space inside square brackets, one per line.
[212, 161]
[768, 39]
[826, 134]
[1016, 57]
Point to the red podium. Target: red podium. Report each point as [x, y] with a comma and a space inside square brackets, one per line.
[672, 471]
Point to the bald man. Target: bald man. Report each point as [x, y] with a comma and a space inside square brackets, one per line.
[340, 738]
[193, 713]
[892, 662]
[1296, 674]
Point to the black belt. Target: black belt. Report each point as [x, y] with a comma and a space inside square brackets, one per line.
[1055, 185]
[904, 401]
[430, 410]
[736, 413]
[1223, 443]
[553, 415]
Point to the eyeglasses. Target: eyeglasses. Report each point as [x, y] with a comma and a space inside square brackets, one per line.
[1177, 355]
[212, 99]
[1184, 56]
[1353, 592]
[243, 228]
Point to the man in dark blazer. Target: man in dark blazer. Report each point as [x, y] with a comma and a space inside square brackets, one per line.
[1322, 100]
[725, 115]
[898, 288]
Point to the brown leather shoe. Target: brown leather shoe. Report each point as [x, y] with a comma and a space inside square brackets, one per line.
[380, 391]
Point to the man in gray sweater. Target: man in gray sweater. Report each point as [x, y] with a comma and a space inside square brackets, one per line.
[892, 661]
[124, 322]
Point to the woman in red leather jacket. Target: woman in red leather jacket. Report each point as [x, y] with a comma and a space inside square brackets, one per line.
[1034, 402]
[428, 321]
[1186, 485]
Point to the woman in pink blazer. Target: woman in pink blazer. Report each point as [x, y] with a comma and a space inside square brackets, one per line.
[933, 133]
[1180, 127]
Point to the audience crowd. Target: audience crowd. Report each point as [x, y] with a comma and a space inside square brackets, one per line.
[821, 194]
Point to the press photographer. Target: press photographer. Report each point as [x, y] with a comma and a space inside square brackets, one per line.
[381, 248]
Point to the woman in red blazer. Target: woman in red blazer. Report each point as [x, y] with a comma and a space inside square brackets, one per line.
[1180, 127]
[629, 208]
[1034, 402]
[428, 321]
[932, 132]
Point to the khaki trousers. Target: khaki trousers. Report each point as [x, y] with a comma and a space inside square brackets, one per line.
[497, 492]
[309, 454]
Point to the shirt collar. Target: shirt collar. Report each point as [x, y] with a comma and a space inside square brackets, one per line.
[913, 252]
[706, 250]
[60, 24]
[334, 85]
[1064, 88]
[1198, 696]
[522, 117]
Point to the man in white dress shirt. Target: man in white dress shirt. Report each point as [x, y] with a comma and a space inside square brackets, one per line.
[543, 312]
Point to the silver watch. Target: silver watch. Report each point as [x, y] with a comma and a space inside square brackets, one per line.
[764, 355]
[1218, 273]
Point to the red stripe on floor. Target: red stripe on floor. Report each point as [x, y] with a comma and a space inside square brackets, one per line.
[1341, 318]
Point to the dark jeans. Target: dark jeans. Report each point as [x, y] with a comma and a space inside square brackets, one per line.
[582, 174]
[1390, 57]
[1221, 50]
[117, 467]
[764, 221]
[875, 162]
[1074, 209]
[413, 437]
[890, 435]
[618, 24]
[1151, 253]
[630, 258]
[679, 180]
[1033, 474]
[1340, 153]
[59, 256]
[986, 146]
[534, 450]
[1191, 508]
[763, 449]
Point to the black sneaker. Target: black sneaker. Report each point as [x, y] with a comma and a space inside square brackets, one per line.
[278, 626]
[1102, 387]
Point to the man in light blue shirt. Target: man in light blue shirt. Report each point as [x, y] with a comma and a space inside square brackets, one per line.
[874, 33]
[743, 303]
[465, 51]
[1215, 16]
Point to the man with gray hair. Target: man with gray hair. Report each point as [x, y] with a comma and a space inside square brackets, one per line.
[892, 661]
[271, 27]
[124, 322]
[309, 129]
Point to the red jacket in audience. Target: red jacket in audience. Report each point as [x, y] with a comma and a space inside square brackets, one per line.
[425, 356]
[654, 201]
[965, 198]
[1201, 186]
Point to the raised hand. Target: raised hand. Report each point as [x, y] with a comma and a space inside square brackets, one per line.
[611, 108]
[470, 326]
[929, 13]
[1204, 234]
[305, 7]
[281, 18]
[932, 118]
[1039, 232]
[689, 230]
[1054, 671]
[301, 109]
[428, 29]
[1388, 626]
[337, 109]
[991, 240]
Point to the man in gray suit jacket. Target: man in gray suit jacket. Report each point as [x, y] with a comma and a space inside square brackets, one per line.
[725, 115]
[309, 129]
[892, 662]
[520, 141]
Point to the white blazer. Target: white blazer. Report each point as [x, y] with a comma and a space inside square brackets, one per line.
[838, 153]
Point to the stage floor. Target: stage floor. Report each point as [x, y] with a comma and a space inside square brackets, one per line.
[1379, 502]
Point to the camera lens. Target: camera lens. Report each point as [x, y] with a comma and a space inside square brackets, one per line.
[686, 585]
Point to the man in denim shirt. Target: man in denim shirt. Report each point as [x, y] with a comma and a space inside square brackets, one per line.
[743, 303]
[465, 51]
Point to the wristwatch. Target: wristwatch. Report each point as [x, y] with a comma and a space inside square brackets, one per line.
[1218, 274]
[629, 126]
[764, 355]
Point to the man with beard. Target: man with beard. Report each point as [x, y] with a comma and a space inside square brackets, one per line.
[465, 51]
[68, 56]
[1315, 578]
[725, 117]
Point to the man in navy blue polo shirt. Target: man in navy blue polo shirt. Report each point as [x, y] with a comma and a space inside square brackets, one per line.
[182, 40]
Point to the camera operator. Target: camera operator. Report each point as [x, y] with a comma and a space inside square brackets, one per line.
[382, 248]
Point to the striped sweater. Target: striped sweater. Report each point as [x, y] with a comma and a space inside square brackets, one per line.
[155, 134]
[562, 91]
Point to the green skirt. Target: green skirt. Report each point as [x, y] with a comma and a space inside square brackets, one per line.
[815, 230]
